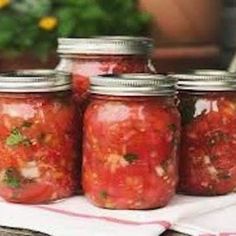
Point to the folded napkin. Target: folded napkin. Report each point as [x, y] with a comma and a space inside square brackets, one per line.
[75, 216]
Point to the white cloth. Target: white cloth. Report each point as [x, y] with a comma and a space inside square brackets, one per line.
[220, 222]
[77, 217]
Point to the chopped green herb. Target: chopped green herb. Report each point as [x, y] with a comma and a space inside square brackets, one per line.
[130, 157]
[103, 194]
[11, 179]
[16, 138]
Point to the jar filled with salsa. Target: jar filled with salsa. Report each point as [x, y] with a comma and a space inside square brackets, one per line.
[37, 137]
[131, 132]
[85, 57]
[208, 147]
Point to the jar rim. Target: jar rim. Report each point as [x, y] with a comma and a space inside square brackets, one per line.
[32, 81]
[106, 45]
[140, 84]
[206, 80]
[212, 72]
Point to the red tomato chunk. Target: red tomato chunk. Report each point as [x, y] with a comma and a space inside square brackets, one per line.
[130, 152]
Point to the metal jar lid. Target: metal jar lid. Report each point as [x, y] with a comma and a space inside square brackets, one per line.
[106, 45]
[31, 81]
[133, 85]
[212, 72]
[207, 80]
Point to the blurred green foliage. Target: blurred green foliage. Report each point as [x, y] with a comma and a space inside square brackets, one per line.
[24, 25]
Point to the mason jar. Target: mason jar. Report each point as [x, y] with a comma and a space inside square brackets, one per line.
[85, 57]
[208, 147]
[131, 133]
[38, 134]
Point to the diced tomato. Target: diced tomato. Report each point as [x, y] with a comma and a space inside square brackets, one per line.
[36, 193]
[6, 193]
[30, 194]
[81, 85]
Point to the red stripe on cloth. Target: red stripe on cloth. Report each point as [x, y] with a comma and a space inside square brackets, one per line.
[220, 234]
[164, 224]
[228, 234]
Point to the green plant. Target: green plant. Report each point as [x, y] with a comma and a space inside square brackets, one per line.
[35, 25]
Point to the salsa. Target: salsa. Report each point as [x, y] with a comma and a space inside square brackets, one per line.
[39, 162]
[208, 147]
[130, 151]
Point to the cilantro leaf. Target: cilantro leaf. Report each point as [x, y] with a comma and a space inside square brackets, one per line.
[130, 157]
[14, 138]
[11, 179]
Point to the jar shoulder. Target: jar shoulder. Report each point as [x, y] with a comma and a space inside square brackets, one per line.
[144, 110]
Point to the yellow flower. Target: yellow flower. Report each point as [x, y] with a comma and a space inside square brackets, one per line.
[4, 3]
[48, 22]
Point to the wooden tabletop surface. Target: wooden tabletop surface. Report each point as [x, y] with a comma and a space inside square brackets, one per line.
[6, 231]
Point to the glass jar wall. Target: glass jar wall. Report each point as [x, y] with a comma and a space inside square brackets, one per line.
[38, 160]
[208, 147]
[131, 132]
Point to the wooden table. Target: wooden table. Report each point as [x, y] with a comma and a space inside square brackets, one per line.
[6, 231]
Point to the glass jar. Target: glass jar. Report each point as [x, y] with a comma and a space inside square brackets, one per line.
[37, 137]
[131, 132]
[85, 57]
[208, 147]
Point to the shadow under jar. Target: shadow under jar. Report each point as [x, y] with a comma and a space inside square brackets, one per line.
[85, 57]
[37, 137]
[131, 132]
[208, 147]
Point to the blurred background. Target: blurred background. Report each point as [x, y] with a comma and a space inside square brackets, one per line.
[187, 33]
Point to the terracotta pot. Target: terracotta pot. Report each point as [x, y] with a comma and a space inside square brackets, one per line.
[27, 61]
[184, 21]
